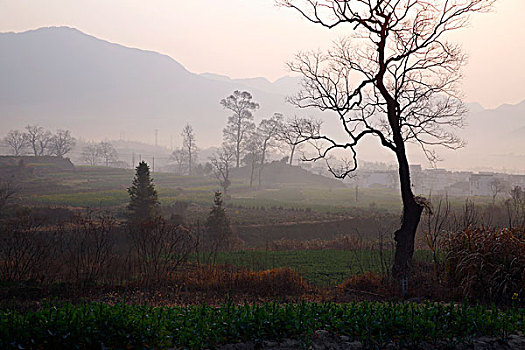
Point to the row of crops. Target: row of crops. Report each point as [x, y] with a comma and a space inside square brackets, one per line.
[95, 325]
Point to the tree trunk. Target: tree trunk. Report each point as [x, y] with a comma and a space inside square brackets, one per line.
[291, 155]
[412, 211]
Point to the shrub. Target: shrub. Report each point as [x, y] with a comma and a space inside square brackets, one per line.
[273, 282]
[487, 264]
[159, 248]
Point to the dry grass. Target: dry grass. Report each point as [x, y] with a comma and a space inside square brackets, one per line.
[487, 264]
[273, 282]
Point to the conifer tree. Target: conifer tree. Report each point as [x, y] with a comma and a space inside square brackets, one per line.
[218, 229]
[143, 202]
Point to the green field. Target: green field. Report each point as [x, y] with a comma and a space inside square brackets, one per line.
[318, 267]
[121, 326]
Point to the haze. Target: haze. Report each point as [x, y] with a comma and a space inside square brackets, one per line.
[241, 38]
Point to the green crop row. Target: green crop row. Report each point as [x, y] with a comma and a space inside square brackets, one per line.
[97, 325]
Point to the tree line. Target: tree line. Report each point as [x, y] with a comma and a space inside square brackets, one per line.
[244, 142]
[38, 141]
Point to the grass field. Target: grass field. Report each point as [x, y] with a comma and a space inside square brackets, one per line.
[318, 267]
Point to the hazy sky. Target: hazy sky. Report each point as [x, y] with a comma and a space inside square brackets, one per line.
[248, 38]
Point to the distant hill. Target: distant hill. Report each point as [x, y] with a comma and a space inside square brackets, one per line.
[61, 77]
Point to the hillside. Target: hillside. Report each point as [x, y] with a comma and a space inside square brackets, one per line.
[61, 77]
[276, 173]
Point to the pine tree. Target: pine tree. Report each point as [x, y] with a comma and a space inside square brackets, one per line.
[218, 229]
[143, 202]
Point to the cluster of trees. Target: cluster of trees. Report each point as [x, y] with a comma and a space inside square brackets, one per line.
[248, 144]
[99, 153]
[38, 141]
[144, 214]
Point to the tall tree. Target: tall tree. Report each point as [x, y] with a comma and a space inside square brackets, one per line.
[240, 122]
[189, 146]
[253, 154]
[17, 141]
[268, 131]
[394, 79]
[143, 203]
[39, 139]
[221, 162]
[62, 143]
[107, 152]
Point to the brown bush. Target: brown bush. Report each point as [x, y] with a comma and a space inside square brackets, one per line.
[90, 248]
[158, 248]
[368, 282]
[487, 264]
[274, 282]
[27, 252]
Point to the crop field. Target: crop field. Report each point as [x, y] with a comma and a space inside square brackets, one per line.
[197, 327]
[317, 267]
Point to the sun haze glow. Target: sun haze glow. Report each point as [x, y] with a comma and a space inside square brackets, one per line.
[248, 38]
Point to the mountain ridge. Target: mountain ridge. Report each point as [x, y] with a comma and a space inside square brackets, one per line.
[61, 77]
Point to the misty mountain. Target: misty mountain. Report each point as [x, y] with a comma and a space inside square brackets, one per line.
[61, 77]
[285, 86]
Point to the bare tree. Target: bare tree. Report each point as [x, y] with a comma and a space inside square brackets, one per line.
[268, 131]
[496, 187]
[62, 143]
[91, 154]
[17, 141]
[189, 146]
[178, 156]
[39, 139]
[292, 133]
[253, 154]
[8, 191]
[221, 163]
[108, 152]
[240, 122]
[394, 79]
[515, 206]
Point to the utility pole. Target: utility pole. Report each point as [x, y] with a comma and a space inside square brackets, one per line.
[133, 160]
[156, 137]
[153, 165]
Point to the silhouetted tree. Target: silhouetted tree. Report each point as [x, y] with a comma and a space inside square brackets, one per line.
[240, 123]
[268, 132]
[218, 228]
[17, 141]
[253, 154]
[395, 79]
[178, 156]
[189, 146]
[62, 143]
[91, 154]
[292, 130]
[39, 139]
[143, 203]
[107, 152]
[221, 162]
